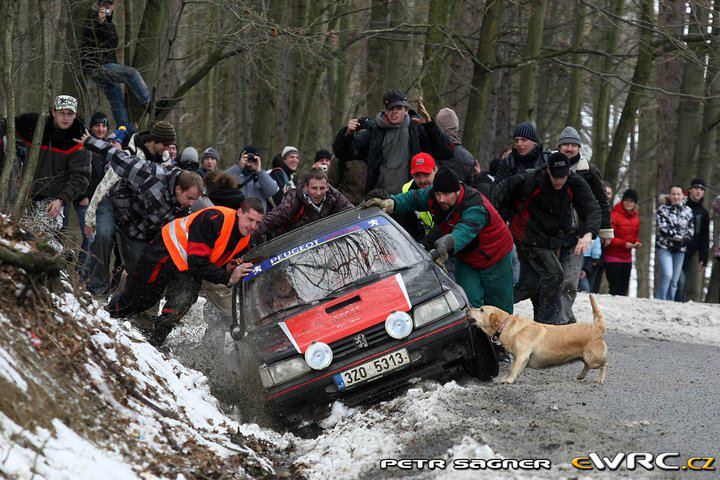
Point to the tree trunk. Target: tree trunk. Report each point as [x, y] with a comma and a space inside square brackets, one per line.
[601, 110]
[575, 106]
[672, 22]
[641, 74]
[7, 14]
[528, 72]
[475, 113]
[435, 69]
[47, 89]
[645, 185]
[693, 85]
[708, 135]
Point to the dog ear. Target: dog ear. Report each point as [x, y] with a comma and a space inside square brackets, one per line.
[494, 319]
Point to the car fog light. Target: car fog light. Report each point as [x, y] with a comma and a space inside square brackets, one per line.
[318, 355]
[399, 325]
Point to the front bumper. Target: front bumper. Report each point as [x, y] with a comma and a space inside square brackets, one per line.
[434, 349]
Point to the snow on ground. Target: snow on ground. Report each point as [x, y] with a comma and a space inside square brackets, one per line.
[169, 409]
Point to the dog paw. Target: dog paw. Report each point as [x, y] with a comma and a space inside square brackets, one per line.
[506, 380]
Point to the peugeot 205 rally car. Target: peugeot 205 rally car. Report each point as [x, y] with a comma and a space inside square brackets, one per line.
[351, 308]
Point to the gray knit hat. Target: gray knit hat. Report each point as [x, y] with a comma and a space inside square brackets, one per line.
[569, 135]
[527, 130]
[162, 132]
[287, 151]
[211, 152]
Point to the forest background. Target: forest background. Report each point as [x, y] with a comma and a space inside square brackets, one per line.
[638, 79]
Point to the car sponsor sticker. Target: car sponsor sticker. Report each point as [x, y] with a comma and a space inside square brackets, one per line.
[281, 257]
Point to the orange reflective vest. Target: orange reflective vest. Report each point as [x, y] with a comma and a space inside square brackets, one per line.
[175, 237]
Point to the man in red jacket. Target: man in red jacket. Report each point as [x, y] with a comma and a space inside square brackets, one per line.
[618, 255]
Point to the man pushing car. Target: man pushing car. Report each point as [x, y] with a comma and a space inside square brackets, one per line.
[472, 231]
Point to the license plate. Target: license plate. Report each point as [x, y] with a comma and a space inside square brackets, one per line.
[371, 369]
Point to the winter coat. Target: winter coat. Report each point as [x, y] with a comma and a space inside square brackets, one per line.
[516, 163]
[285, 181]
[675, 227]
[700, 241]
[462, 163]
[349, 177]
[592, 177]
[296, 210]
[627, 229]
[368, 144]
[144, 200]
[63, 168]
[134, 145]
[543, 216]
[261, 185]
[100, 42]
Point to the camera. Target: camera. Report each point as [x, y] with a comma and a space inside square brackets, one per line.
[366, 123]
[324, 168]
[251, 158]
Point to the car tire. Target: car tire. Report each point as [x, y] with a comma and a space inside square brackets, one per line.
[483, 363]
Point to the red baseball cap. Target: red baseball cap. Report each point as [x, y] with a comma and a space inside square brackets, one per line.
[422, 162]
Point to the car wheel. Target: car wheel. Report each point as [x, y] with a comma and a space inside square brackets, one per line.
[483, 363]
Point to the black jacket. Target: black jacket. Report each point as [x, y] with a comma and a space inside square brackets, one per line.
[63, 169]
[368, 144]
[700, 241]
[100, 42]
[515, 163]
[543, 216]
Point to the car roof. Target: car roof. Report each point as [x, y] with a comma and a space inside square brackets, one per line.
[316, 229]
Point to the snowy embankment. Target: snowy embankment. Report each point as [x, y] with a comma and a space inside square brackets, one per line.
[82, 396]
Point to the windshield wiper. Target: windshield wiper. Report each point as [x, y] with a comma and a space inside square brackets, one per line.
[288, 308]
[365, 280]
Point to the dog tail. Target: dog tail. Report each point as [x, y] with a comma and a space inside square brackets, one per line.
[597, 314]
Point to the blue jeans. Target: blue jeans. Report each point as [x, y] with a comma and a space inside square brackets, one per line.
[83, 259]
[109, 77]
[101, 247]
[670, 270]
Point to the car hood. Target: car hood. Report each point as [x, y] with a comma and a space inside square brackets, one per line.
[421, 283]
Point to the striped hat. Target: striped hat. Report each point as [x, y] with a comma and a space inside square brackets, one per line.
[527, 130]
[162, 132]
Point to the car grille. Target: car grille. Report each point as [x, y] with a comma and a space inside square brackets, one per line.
[374, 335]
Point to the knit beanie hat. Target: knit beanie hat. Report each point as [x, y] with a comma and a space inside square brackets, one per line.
[446, 181]
[250, 149]
[287, 151]
[163, 132]
[699, 183]
[211, 152]
[447, 119]
[527, 130]
[119, 134]
[630, 194]
[323, 154]
[99, 117]
[569, 135]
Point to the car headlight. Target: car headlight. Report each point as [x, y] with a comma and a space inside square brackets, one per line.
[436, 308]
[318, 355]
[282, 372]
[399, 325]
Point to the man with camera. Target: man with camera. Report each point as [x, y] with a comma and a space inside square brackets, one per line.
[389, 142]
[253, 181]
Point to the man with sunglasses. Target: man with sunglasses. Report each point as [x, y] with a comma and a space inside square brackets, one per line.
[389, 141]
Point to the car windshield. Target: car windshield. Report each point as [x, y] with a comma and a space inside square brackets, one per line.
[326, 270]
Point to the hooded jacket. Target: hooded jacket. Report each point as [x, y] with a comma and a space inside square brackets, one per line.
[627, 229]
[295, 210]
[63, 168]
[370, 143]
